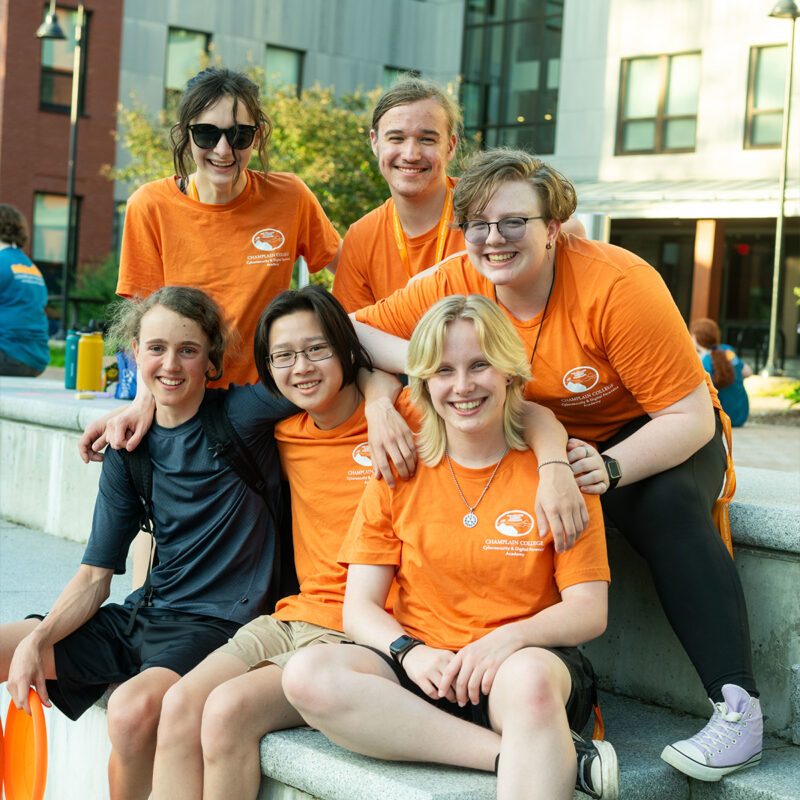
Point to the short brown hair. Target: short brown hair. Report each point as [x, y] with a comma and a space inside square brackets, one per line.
[13, 227]
[488, 169]
[411, 90]
[202, 91]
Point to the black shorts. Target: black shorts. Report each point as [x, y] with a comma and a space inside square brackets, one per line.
[100, 653]
[582, 695]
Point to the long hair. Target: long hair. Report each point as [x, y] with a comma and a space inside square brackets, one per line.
[706, 333]
[202, 91]
[502, 348]
[336, 325]
[193, 304]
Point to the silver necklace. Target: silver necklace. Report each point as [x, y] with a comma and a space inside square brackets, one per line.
[469, 519]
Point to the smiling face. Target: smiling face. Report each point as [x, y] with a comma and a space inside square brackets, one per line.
[220, 169]
[314, 386]
[172, 357]
[413, 148]
[466, 391]
[518, 266]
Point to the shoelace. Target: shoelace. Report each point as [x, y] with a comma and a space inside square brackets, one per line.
[720, 731]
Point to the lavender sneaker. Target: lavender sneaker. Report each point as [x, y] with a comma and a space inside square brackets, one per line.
[730, 741]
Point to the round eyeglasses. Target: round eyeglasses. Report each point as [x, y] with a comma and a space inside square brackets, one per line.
[287, 358]
[239, 137]
[512, 229]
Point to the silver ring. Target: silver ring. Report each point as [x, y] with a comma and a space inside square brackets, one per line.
[586, 449]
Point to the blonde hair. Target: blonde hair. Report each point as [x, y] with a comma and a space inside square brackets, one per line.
[502, 348]
[489, 169]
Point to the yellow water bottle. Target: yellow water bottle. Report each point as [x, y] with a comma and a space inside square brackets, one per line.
[90, 363]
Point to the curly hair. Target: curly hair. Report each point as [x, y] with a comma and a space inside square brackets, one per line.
[13, 227]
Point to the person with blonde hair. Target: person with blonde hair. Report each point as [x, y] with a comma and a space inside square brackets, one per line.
[726, 369]
[612, 358]
[478, 664]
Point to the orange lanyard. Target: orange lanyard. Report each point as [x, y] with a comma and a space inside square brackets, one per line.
[400, 237]
[193, 189]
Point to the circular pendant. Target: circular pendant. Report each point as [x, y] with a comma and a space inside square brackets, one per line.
[470, 520]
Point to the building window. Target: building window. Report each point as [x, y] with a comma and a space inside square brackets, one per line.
[765, 95]
[658, 104]
[283, 67]
[392, 75]
[511, 67]
[49, 240]
[58, 58]
[186, 53]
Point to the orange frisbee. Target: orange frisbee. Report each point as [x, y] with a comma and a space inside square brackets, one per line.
[25, 757]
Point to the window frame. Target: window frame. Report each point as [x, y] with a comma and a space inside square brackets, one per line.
[490, 25]
[172, 95]
[301, 58]
[751, 112]
[61, 108]
[661, 118]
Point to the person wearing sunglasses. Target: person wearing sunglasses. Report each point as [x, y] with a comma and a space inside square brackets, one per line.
[218, 225]
[610, 355]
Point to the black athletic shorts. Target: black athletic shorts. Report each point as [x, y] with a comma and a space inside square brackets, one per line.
[100, 653]
[582, 695]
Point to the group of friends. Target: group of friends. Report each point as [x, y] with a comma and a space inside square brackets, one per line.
[448, 538]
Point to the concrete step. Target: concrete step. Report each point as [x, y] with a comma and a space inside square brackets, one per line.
[301, 764]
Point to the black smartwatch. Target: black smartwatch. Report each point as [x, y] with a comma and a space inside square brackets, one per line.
[612, 470]
[399, 648]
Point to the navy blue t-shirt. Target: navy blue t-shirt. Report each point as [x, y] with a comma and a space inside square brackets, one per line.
[215, 538]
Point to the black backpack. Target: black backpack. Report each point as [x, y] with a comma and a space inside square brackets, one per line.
[224, 443]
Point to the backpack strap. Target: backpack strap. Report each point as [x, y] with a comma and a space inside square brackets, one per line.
[225, 443]
[140, 473]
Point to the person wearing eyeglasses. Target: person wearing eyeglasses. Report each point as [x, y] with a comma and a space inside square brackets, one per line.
[611, 356]
[218, 225]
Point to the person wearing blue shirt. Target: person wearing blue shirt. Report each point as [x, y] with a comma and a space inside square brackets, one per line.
[726, 369]
[24, 349]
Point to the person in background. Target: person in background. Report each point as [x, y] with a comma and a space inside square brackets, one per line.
[726, 369]
[24, 349]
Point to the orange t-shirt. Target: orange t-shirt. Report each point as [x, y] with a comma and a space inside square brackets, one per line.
[612, 348]
[327, 472]
[241, 253]
[370, 267]
[456, 584]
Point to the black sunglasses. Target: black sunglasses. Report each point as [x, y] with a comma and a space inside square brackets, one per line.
[239, 137]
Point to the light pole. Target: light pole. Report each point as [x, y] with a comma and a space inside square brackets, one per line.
[50, 29]
[783, 9]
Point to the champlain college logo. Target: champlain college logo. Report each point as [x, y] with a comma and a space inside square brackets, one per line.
[268, 239]
[580, 379]
[514, 523]
[361, 455]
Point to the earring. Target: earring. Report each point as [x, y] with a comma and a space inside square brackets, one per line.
[549, 246]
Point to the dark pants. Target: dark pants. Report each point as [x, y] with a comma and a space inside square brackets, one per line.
[667, 519]
[17, 369]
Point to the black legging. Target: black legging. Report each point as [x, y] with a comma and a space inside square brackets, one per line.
[667, 519]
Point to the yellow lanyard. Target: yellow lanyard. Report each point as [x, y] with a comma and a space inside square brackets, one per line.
[193, 189]
[400, 237]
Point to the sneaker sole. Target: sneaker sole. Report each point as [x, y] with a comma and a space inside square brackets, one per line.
[702, 772]
[609, 769]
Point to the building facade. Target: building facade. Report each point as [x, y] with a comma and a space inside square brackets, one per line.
[667, 117]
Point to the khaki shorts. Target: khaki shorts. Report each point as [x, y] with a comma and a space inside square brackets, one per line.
[267, 640]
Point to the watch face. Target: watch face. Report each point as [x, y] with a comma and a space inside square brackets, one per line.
[612, 465]
[398, 645]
